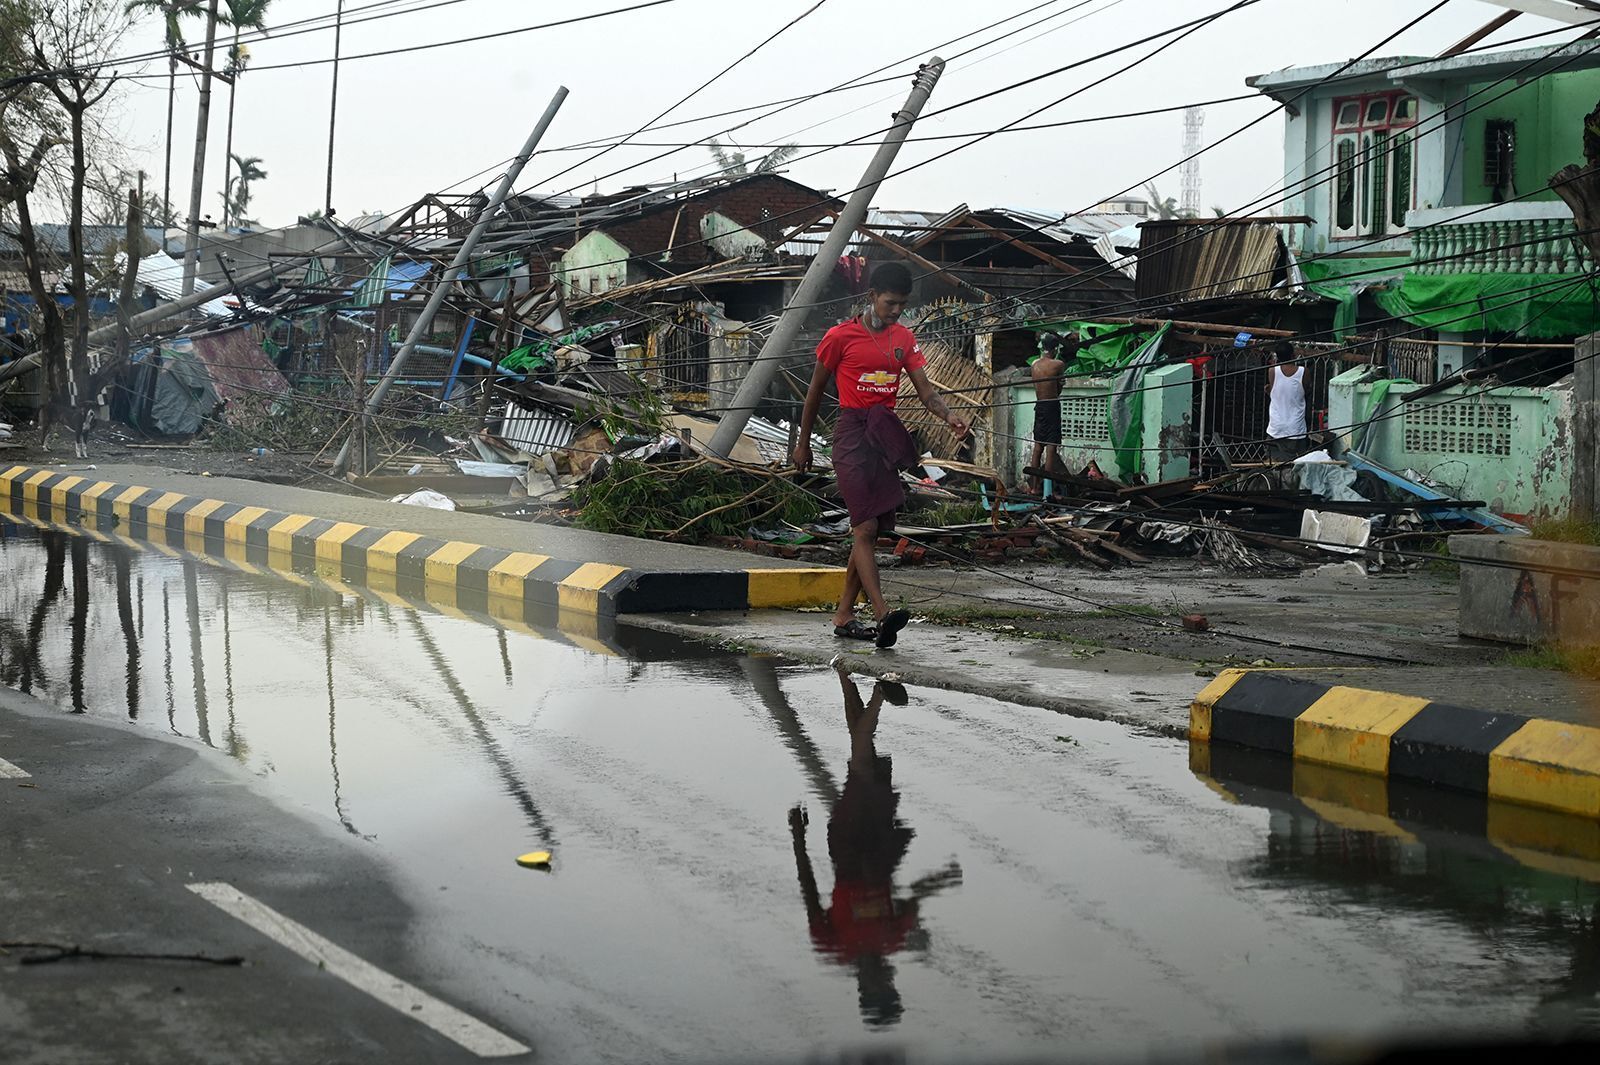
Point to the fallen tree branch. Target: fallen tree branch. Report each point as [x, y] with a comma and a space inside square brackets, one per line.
[73, 952]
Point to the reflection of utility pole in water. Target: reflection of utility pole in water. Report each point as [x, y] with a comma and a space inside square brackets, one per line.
[235, 745]
[130, 638]
[505, 655]
[491, 746]
[191, 599]
[166, 646]
[762, 674]
[333, 742]
[80, 618]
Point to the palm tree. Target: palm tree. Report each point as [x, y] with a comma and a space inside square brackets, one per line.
[236, 197]
[734, 164]
[171, 12]
[241, 15]
[1165, 207]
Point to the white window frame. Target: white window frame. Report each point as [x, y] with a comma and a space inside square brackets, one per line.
[1377, 170]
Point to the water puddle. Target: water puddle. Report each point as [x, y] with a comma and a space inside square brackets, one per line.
[752, 858]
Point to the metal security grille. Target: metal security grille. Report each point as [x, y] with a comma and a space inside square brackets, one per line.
[1084, 419]
[685, 361]
[1412, 361]
[1457, 428]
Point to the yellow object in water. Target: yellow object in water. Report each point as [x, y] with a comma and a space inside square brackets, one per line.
[535, 860]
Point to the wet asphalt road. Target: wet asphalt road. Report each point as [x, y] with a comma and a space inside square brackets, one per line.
[761, 861]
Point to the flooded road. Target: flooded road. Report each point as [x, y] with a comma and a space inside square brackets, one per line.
[756, 860]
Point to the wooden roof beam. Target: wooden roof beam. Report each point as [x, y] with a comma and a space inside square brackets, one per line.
[1498, 22]
[927, 264]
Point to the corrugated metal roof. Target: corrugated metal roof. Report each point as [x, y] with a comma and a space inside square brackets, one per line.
[164, 274]
[97, 240]
[535, 429]
[403, 277]
[1087, 225]
[904, 226]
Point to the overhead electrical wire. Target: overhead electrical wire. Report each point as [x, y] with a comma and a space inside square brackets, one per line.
[1056, 285]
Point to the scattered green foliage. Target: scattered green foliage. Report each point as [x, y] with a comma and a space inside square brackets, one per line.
[688, 502]
[944, 515]
[290, 423]
[299, 422]
[1568, 530]
[644, 413]
[1579, 661]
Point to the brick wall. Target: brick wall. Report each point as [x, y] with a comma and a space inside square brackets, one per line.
[768, 204]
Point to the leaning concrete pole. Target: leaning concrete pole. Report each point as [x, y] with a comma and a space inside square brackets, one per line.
[765, 366]
[191, 235]
[162, 311]
[448, 283]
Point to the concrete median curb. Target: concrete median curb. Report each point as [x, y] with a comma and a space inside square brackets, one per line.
[1504, 757]
[1508, 757]
[409, 560]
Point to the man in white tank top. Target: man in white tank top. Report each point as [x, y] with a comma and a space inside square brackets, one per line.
[1286, 409]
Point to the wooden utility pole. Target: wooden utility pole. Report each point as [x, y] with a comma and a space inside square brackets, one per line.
[333, 108]
[191, 242]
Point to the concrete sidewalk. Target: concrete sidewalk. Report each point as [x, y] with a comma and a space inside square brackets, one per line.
[569, 570]
[1152, 692]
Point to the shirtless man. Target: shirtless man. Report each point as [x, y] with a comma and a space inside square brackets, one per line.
[1046, 370]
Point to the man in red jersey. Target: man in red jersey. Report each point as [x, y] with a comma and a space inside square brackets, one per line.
[866, 356]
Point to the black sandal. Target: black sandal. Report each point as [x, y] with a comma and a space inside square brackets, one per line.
[854, 630]
[889, 626]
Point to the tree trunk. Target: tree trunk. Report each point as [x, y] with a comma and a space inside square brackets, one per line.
[78, 357]
[1580, 188]
[49, 312]
[130, 275]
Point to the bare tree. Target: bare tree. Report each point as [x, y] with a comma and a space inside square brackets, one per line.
[29, 133]
[1579, 186]
[62, 45]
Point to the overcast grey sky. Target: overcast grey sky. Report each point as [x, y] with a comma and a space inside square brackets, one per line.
[424, 121]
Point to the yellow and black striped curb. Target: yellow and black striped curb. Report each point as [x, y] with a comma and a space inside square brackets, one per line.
[413, 560]
[1402, 810]
[589, 632]
[1503, 756]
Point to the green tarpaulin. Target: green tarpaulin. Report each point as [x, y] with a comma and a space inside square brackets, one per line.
[1343, 280]
[1098, 356]
[1530, 305]
[1125, 408]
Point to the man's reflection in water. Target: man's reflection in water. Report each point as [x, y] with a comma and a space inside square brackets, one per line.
[865, 922]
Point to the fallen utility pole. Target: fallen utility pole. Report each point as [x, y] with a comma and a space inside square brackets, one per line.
[161, 312]
[765, 366]
[419, 328]
[191, 237]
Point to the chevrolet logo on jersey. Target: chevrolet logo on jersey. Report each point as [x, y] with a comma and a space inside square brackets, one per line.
[882, 378]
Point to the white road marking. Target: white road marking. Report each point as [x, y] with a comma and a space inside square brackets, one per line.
[448, 1021]
[11, 772]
